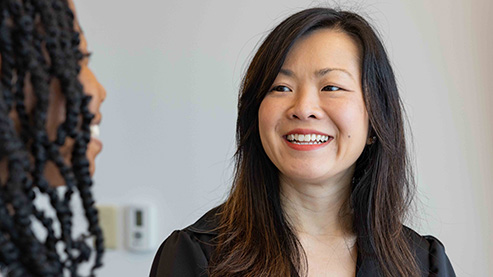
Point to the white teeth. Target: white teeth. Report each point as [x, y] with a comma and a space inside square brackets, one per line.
[307, 138]
[95, 131]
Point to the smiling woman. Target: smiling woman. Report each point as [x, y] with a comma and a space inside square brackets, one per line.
[322, 181]
[49, 116]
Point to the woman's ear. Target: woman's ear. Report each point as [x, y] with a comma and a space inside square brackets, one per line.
[372, 137]
[371, 140]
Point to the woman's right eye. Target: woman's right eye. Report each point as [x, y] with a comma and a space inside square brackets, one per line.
[281, 89]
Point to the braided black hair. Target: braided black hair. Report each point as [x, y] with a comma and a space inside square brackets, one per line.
[38, 43]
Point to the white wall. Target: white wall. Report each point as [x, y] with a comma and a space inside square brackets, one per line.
[172, 71]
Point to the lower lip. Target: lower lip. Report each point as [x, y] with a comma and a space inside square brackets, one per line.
[97, 141]
[306, 147]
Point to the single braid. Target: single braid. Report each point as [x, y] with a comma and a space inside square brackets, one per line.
[7, 56]
[84, 182]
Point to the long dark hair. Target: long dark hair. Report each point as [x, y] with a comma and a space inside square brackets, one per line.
[255, 239]
[38, 41]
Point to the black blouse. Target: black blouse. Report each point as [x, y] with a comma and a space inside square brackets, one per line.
[186, 253]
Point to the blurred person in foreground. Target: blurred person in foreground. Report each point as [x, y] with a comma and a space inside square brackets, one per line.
[49, 128]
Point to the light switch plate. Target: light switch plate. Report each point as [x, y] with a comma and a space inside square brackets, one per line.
[108, 220]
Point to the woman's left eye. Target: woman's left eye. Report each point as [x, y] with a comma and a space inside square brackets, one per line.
[331, 88]
[281, 88]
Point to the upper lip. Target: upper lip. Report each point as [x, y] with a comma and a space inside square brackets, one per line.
[306, 131]
[97, 119]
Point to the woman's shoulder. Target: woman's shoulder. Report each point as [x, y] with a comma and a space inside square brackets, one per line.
[187, 252]
[207, 224]
[430, 254]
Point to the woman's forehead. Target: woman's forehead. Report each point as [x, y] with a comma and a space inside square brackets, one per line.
[321, 49]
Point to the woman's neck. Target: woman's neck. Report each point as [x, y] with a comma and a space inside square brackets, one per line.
[320, 210]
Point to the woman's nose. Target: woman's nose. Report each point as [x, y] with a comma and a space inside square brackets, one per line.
[306, 105]
[92, 86]
[102, 91]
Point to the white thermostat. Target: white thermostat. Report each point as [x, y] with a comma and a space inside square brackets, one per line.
[139, 228]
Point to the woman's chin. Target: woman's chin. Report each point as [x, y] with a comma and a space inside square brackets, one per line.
[92, 167]
[306, 175]
[52, 173]
[93, 149]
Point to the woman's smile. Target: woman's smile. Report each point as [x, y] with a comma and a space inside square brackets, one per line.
[307, 139]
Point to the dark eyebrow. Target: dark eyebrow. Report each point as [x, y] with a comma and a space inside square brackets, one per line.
[324, 71]
[319, 73]
[87, 54]
[286, 72]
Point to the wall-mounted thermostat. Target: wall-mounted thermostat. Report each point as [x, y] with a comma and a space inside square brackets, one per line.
[139, 228]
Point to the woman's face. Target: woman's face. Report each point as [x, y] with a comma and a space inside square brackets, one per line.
[313, 123]
[56, 114]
